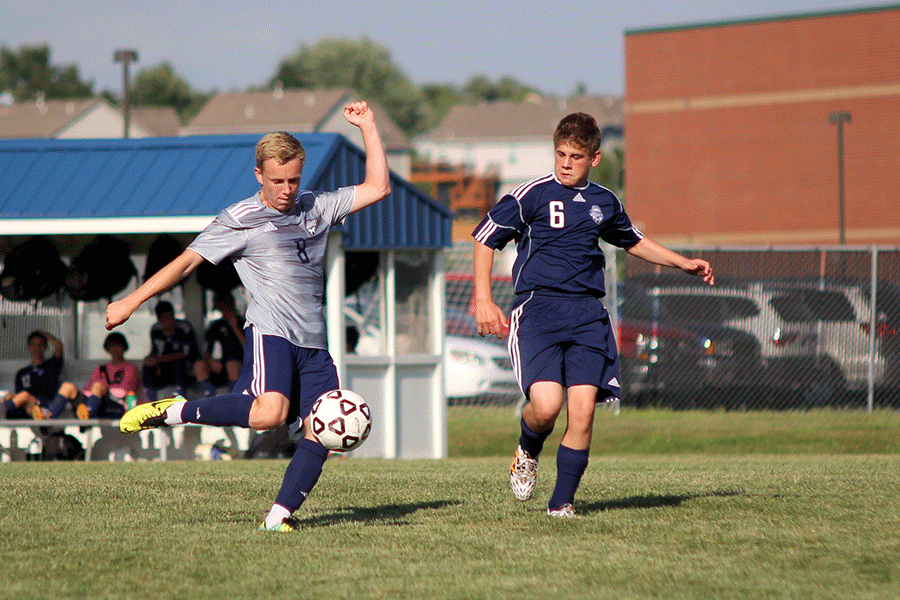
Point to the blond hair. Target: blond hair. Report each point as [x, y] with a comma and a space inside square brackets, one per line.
[280, 146]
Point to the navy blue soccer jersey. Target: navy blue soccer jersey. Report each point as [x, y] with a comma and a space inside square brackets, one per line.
[41, 381]
[557, 230]
[220, 332]
[181, 340]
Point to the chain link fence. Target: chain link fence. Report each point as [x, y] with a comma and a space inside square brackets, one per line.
[782, 329]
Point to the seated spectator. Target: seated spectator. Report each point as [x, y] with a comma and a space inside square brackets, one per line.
[38, 393]
[173, 354]
[106, 393]
[224, 347]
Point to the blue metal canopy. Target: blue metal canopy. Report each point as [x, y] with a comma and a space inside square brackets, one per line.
[179, 184]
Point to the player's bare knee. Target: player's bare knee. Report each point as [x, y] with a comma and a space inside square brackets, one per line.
[68, 390]
[269, 411]
[539, 417]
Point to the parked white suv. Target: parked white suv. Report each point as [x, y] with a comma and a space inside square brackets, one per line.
[778, 319]
[843, 312]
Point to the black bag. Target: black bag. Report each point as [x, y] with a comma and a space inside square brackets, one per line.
[62, 446]
[101, 270]
[32, 270]
[164, 249]
[220, 278]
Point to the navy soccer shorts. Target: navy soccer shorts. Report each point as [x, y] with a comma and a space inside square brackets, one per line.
[564, 338]
[273, 364]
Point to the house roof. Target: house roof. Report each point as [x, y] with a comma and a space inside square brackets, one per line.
[284, 110]
[51, 118]
[42, 119]
[163, 121]
[518, 120]
[165, 185]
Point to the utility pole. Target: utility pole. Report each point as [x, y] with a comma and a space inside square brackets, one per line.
[840, 117]
[126, 57]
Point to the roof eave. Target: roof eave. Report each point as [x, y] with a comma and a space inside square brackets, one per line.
[110, 225]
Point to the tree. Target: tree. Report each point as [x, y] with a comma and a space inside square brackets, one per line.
[362, 66]
[481, 89]
[439, 99]
[610, 173]
[161, 86]
[26, 73]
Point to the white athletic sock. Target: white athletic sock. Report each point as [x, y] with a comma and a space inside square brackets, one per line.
[276, 516]
[173, 413]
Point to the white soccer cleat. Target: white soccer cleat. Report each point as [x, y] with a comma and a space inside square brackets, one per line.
[523, 475]
[563, 512]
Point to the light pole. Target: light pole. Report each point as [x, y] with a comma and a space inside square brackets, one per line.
[126, 57]
[840, 117]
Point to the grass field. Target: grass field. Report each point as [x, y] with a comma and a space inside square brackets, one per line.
[666, 516]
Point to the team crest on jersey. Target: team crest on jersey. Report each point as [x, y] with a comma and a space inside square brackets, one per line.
[311, 227]
[596, 214]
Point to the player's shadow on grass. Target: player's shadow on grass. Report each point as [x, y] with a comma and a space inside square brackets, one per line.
[388, 514]
[651, 501]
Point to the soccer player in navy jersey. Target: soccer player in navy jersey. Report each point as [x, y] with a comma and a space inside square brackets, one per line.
[277, 239]
[38, 392]
[560, 340]
[174, 358]
[224, 339]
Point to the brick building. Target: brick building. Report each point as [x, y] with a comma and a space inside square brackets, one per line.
[728, 134]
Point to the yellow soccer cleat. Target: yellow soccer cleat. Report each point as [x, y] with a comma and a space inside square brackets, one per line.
[147, 416]
[287, 524]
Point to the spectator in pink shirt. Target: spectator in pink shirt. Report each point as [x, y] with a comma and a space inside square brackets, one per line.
[110, 384]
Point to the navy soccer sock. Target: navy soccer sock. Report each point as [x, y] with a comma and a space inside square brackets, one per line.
[224, 411]
[570, 466]
[302, 474]
[531, 442]
[57, 405]
[92, 403]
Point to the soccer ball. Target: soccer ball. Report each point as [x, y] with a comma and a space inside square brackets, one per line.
[340, 420]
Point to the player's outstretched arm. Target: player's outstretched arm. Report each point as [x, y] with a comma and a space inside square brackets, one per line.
[119, 311]
[491, 318]
[377, 184]
[658, 254]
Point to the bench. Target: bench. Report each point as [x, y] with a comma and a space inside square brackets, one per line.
[178, 442]
[102, 439]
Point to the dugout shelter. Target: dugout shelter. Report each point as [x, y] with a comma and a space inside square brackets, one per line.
[384, 271]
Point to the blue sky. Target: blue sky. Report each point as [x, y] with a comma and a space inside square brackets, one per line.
[213, 44]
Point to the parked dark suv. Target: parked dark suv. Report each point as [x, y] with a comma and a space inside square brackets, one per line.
[683, 363]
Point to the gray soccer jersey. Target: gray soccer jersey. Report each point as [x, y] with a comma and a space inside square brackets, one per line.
[279, 258]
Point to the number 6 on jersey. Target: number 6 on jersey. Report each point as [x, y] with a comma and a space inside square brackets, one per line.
[557, 214]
